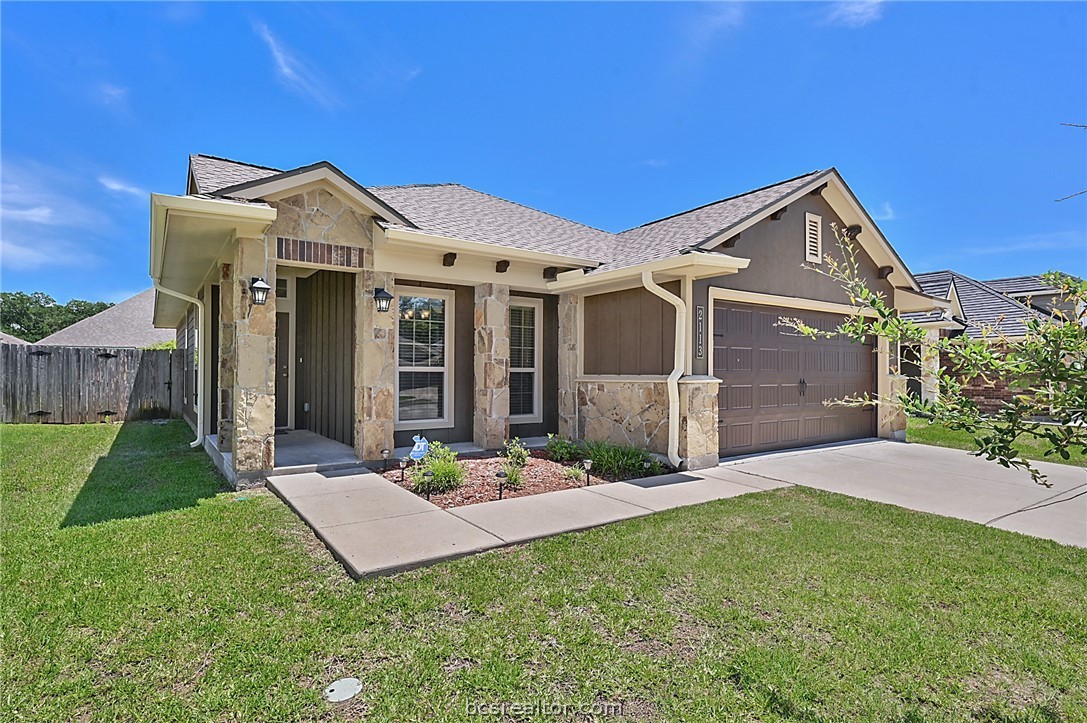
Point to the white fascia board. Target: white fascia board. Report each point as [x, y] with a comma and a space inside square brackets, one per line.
[422, 239]
[695, 265]
[246, 218]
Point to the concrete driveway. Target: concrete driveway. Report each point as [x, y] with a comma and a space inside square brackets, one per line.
[942, 481]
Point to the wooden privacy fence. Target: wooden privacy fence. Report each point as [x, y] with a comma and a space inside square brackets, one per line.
[81, 385]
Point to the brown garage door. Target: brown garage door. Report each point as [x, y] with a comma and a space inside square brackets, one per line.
[774, 382]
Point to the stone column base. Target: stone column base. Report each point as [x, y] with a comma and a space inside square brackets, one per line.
[698, 436]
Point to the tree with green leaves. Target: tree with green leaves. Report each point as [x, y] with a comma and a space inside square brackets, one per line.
[1046, 366]
[34, 316]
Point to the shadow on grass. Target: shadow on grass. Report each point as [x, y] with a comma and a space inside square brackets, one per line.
[150, 468]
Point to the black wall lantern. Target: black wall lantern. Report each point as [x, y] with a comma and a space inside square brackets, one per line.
[260, 290]
[383, 299]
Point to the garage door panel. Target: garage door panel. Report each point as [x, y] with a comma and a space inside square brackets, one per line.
[762, 403]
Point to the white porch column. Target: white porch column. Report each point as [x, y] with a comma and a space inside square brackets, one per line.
[930, 365]
[891, 420]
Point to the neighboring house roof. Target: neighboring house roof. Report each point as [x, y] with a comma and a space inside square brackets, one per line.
[9, 339]
[127, 324]
[983, 306]
[1021, 285]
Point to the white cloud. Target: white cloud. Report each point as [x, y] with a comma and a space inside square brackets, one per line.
[708, 26]
[37, 214]
[111, 94]
[854, 13]
[885, 213]
[28, 256]
[294, 72]
[112, 184]
[653, 163]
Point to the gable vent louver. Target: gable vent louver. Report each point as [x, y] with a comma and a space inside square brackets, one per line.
[813, 238]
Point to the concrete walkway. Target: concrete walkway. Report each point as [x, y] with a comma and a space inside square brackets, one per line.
[375, 527]
[943, 481]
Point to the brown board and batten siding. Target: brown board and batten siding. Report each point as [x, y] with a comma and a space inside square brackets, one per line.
[324, 391]
[629, 332]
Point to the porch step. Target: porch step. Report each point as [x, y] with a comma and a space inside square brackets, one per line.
[307, 468]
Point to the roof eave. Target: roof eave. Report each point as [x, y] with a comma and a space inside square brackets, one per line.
[691, 265]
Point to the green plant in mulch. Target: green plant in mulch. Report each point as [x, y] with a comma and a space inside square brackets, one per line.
[516, 454]
[560, 449]
[574, 474]
[515, 476]
[620, 461]
[449, 474]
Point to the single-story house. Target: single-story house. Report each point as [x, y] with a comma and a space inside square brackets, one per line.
[6, 338]
[995, 310]
[442, 311]
[127, 324]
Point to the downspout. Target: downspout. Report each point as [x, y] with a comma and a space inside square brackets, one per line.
[677, 371]
[200, 370]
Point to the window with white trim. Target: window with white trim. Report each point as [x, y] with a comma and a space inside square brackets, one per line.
[424, 350]
[526, 346]
[813, 238]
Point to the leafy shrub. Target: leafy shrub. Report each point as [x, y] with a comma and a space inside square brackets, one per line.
[574, 474]
[515, 476]
[516, 454]
[563, 450]
[449, 474]
[619, 461]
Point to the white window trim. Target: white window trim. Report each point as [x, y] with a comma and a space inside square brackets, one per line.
[817, 257]
[446, 420]
[537, 369]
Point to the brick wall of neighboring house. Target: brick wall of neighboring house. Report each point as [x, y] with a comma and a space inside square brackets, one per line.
[989, 397]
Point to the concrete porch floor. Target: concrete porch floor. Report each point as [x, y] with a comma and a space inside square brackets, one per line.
[300, 450]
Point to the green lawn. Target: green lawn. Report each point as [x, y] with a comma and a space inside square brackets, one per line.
[134, 588]
[921, 431]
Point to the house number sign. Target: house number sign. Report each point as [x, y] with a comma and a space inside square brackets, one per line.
[700, 332]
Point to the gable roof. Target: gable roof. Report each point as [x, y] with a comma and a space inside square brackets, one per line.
[683, 231]
[455, 211]
[127, 324]
[450, 209]
[9, 339]
[1022, 285]
[982, 305]
[212, 174]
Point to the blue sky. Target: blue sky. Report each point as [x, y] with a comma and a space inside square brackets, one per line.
[944, 118]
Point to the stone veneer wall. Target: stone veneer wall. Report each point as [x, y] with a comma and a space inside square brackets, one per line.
[317, 215]
[251, 366]
[699, 439]
[491, 358]
[624, 412]
[375, 367]
[568, 365]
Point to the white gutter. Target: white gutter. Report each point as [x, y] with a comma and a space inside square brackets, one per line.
[201, 365]
[677, 371]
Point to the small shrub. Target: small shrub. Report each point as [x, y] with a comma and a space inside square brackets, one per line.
[563, 450]
[619, 461]
[515, 476]
[574, 474]
[449, 474]
[516, 454]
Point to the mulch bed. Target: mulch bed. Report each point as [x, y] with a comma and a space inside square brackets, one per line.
[540, 475]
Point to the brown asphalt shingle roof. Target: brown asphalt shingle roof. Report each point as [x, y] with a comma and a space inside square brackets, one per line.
[212, 173]
[460, 212]
[127, 324]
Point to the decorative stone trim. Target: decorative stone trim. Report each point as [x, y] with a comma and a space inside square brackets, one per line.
[375, 367]
[699, 440]
[568, 351]
[318, 252]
